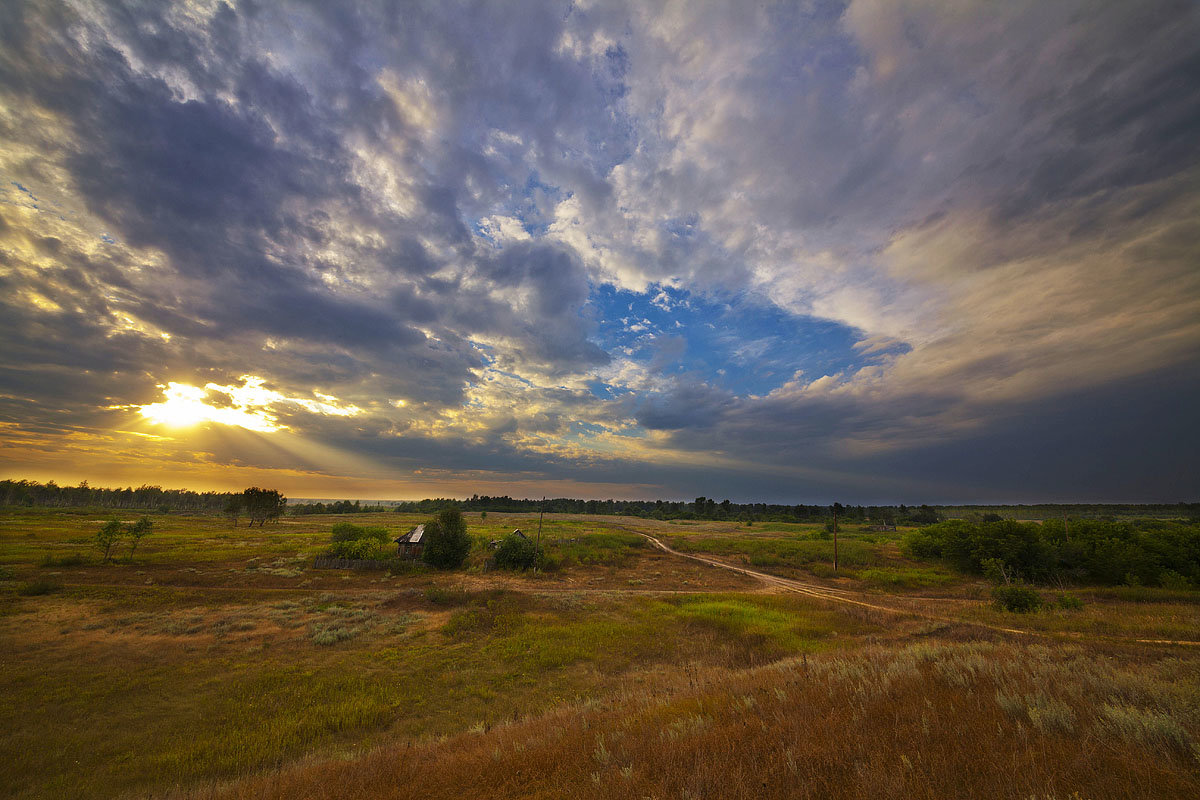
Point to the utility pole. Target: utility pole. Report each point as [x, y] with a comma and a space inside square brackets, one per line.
[541, 511]
[835, 547]
[835, 508]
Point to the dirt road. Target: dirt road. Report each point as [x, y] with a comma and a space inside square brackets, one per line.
[847, 597]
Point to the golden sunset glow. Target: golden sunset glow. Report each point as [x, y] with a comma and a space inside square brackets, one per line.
[247, 406]
[185, 407]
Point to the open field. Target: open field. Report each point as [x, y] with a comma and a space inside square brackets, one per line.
[219, 663]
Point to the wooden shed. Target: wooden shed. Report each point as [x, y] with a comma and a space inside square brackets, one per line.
[411, 544]
[494, 543]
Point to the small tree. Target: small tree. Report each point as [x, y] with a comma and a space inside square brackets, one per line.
[137, 531]
[263, 504]
[233, 509]
[108, 536]
[517, 552]
[447, 543]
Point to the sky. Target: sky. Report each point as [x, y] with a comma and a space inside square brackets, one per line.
[874, 251]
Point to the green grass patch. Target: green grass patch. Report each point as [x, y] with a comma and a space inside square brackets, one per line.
[772, 625]
[611, 549]
[906, 578]
[784, 552]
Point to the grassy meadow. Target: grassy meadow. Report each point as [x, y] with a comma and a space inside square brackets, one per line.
[218, 663]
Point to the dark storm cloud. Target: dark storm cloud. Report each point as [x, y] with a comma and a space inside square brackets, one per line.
[189, 143]
[556, 288]
[688, 404]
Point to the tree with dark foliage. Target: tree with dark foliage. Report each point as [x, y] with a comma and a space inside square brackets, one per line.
[261, 505]
[447, 543]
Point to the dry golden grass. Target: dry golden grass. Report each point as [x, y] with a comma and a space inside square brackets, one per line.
[974, 719]
[220, 664]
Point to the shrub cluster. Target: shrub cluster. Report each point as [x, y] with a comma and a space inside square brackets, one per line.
[447, 543]
[1016, 597]
[517, 552]
[1148, 552]
[357, 541]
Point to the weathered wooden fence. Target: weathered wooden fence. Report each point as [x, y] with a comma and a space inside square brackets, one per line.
[349, 563]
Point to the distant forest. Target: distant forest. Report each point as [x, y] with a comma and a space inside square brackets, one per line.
[156, 498]
[143, 498]
[707, 508]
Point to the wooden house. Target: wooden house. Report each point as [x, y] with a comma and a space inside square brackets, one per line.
[411, 544]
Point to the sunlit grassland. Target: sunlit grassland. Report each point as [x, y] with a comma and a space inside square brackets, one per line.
[928, 720]
[805, 548]
[212, 551]
[31, 535]
[153, 693]
[219, 654]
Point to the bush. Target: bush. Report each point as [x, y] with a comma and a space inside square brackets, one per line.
[346, 532]
[39, 587]
[921, 544]
[447, 543]
[1069, 602]
[356, 541]
[517, 552]
[1017, 598]
[1170, 579]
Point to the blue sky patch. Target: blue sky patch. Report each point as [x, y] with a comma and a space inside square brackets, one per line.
[738, 343]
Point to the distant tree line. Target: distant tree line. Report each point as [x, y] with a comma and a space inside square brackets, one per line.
[702, 508]
[1147, 552]
[336, 507]
[143, 498]
[50, 494]
[1059, 510]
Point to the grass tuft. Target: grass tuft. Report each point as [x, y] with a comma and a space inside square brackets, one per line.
[326, 635]
[1147, 727]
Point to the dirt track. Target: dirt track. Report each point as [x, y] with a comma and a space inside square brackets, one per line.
[845, 596]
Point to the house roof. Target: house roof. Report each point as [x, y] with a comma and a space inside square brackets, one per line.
[412, 537]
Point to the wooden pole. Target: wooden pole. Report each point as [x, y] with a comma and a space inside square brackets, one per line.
[835, 546]
[541, 511]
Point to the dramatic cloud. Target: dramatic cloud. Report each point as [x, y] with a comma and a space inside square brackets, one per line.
[872, 250]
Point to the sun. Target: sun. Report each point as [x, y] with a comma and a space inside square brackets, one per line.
[184, 407]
